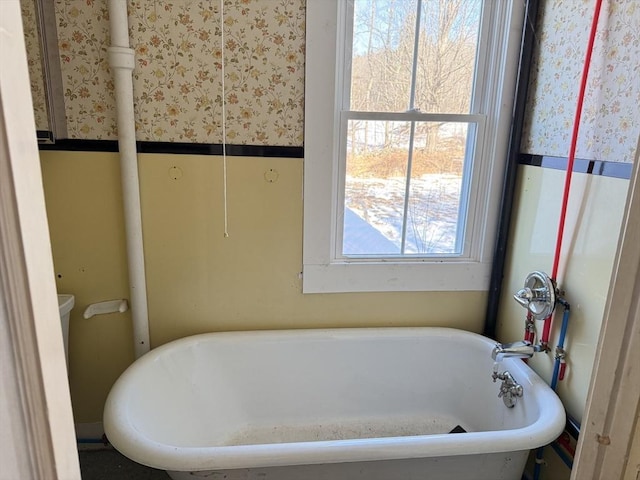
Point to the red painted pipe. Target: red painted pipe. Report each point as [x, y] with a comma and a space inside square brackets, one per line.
[529, 328]
[544, 340]
[572, 153]
[563, 368]
[565, 442]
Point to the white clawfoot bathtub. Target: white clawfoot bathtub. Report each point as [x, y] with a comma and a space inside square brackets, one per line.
[328, 404]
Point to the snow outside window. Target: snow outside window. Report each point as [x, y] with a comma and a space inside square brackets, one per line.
[407, 115]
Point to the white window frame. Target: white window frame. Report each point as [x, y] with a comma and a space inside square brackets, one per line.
[324, 268]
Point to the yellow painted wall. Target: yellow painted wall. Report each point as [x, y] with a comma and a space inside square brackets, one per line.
[596, 207]
[595, 212]
[84, 207]
[197, 280]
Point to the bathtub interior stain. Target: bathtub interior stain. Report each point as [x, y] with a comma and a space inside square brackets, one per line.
[341, 429]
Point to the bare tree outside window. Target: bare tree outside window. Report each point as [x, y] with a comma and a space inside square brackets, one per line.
[411, 73]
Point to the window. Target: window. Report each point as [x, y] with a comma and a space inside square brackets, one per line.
[407, 118]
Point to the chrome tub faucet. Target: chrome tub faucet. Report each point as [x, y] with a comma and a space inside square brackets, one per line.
[521, 349]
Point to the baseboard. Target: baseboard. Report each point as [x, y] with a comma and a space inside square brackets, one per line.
[90, 436]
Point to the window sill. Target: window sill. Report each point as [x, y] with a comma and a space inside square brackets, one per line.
[435, 276]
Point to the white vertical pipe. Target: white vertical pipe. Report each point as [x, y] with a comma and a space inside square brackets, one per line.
[122, 62]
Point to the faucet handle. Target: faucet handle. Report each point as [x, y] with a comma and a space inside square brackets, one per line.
[538, 295]
[524, 296]
[510, 390]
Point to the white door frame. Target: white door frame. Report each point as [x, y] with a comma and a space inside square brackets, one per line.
[37, 438]
[613, 402]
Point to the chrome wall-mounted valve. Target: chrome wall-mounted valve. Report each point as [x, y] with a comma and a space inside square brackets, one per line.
[538, 295]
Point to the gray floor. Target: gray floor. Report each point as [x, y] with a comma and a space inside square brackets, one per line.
[109, 464]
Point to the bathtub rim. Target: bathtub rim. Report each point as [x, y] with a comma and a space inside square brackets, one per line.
[134, 444]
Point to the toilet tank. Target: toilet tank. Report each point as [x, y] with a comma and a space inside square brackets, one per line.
[65, 304]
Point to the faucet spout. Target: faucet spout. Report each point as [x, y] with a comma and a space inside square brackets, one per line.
[522, 349]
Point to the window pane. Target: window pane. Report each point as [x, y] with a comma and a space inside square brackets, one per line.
[379, 218]
[376, 169]
[446, 55]
[433, 213]
[383, 51]
[383, 39]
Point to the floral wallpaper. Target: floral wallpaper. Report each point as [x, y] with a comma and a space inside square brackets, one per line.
[83, 39]
[609, 127]
[34, 59]
[177, 81]
[178, 89]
